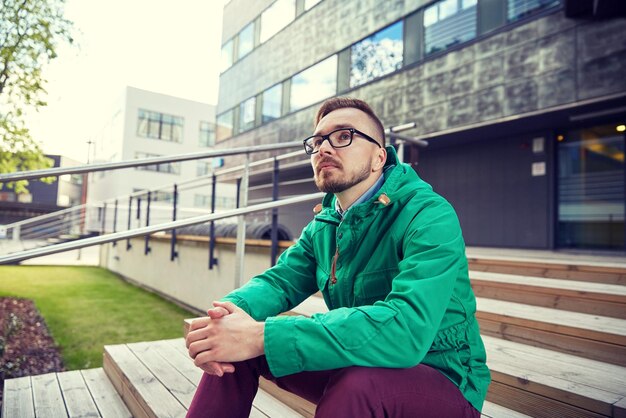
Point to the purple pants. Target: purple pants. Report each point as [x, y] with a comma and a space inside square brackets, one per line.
[420, 391]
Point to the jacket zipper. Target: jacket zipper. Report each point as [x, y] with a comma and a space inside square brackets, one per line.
[333, 269]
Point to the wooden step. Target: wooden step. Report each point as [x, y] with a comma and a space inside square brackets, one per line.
[159, 379]
[592, 298]
[608, 272]
[545, 383]
[491, 410]
[75, 394]
[590, 336]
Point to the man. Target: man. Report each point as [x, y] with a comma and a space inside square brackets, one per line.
[400, 338]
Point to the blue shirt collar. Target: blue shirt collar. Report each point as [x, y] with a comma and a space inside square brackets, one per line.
[364, 197]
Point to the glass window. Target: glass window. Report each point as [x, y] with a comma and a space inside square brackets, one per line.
[171, 168]
[227, 56]
[247, 112]
[161, 126]
[201, 200]
[314, 84]
[206, 137]
[448, 23]
[224, 128]
[591, 188]
[276, 17]
[377, 55]
[519, 9]
[203, 168]
[310, 3]
[246, 40]
[272, 102]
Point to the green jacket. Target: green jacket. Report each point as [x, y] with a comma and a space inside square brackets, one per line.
[400, 294]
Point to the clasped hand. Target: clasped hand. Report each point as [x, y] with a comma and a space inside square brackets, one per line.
[226, 336]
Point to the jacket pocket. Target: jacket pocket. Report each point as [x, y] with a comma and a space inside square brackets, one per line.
[373, 286]
[354, 327]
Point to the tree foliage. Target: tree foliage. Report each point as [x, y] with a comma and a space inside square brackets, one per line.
[30, 33]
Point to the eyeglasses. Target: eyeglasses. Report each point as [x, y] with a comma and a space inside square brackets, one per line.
[339, 138]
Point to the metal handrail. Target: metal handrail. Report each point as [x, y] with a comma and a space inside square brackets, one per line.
[117, 236]
[27, 175]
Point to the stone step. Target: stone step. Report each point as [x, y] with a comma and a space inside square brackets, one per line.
[590, 336]
[570, 295]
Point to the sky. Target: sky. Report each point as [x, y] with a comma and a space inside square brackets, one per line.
[166, 46]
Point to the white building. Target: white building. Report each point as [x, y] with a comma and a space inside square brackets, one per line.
[147, 124]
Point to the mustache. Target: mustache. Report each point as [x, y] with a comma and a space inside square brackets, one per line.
[327, 160]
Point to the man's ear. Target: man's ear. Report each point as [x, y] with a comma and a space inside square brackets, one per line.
[380, 159]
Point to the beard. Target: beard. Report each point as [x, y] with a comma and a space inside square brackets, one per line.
[327, 184]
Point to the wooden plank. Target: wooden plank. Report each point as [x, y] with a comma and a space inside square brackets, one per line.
[548, 298]
[596, 274]
[121, 385]
[108, 401]
[595, 350]
[492, 410]
[534, 405]
[293, 401]
[255, 413]
[152, 396]
[179, 360]
[585, 383]
[78, 400]
[172, 379]
[310, 306]
[272, 407]
[599, 291]
[619, 409]
[596, 327]
[18, 398]
[47, 396]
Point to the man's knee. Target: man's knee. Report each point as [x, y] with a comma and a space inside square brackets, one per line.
[354, 381]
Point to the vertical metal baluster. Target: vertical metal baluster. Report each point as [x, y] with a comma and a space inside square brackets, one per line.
[173, 252]
[275, 176]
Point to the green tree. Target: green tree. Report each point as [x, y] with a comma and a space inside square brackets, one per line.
[30, 32]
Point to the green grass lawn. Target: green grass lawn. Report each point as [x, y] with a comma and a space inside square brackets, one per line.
[88, 307]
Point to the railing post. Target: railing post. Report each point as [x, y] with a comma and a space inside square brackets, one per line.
[115, 221]
[138, 215]
[104, 218]
[212, 259]
[147, 248]
[16, 232]
[173, 252]
[241, 225]
[274, 252]
[130, 213]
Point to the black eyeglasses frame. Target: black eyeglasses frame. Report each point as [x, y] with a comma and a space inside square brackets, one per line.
[327, 138]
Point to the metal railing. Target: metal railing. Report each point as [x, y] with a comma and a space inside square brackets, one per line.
[67, 219]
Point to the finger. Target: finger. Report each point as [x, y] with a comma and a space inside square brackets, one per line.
[198, 335]
[228, 367]
[218, 312]
[199, 323]
[229, 306]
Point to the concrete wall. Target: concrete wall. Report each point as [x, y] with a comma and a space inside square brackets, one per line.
[187, 279]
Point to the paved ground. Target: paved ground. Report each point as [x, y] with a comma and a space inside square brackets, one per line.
[89, 256]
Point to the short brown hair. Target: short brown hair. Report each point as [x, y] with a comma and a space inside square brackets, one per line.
[335, 103]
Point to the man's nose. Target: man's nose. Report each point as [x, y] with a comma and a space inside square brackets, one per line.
[326, 148]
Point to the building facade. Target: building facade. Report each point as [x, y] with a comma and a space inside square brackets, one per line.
[523, 103]
[148, 124]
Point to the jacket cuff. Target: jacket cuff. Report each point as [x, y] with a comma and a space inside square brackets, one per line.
[280, 345]
[237, 300]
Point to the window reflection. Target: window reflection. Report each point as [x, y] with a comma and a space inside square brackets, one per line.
[276, 17]
[246, 114]
[161, 126]
[224, 126]
[377, 55]
[448, 23]
[314, 84]
[246, 40]
[227, 56]
[272, 103]
[207, 134]
[518, 9]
